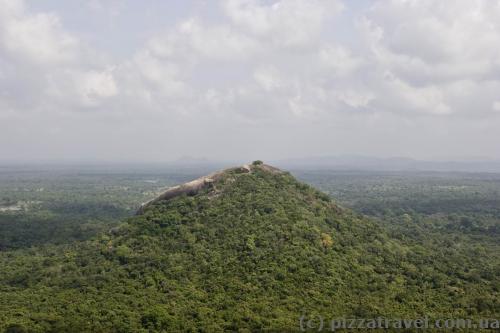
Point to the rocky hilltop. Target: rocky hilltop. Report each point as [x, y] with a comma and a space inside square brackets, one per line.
[208, 182]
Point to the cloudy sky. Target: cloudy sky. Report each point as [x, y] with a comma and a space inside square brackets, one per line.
[109, 80]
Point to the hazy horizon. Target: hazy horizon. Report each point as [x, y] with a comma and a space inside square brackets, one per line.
[140, 82]
[349, 163]
[208, 159]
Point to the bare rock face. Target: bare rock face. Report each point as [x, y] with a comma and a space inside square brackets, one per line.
[195, 186]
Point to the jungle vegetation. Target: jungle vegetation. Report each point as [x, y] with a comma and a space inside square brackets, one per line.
[252, 252]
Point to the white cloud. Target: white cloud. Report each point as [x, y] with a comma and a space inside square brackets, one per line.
[95, 85]
[496, 106]
[267, 77]
[285, 22]
[355, 99]
[436, 54]
[158, 73]
[48, 68]
[398, 96]
[38, 38]
[192, 40]
[425, 41]
[339, 60]
[357, 76]
[218, 42]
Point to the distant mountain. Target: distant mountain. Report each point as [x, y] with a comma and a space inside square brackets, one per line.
[358, 162]
[246, 249]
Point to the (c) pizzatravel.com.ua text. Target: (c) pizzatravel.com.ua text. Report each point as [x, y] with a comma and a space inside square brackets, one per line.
[321, 324]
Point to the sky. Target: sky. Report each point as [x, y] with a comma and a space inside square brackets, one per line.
[153, 81]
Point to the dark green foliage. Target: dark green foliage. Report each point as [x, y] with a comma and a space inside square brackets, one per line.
[253, 252]
[66, 205]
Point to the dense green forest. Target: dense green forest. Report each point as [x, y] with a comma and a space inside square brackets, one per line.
[255, 251]
[40, 205]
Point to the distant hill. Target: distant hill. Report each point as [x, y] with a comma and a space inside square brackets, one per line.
[359, 162]
[245, 249]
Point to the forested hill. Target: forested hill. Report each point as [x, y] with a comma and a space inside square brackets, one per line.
[246, 249]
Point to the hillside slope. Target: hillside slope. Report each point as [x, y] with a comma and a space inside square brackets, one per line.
[248, 248]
